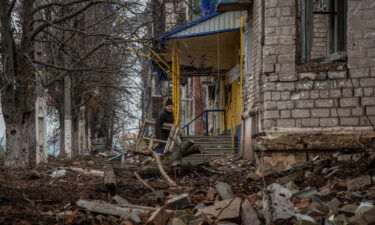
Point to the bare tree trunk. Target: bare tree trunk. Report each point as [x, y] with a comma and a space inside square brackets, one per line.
[40, 114]
[18, 101]
[82, 135]
[68, 117]
[40, 126]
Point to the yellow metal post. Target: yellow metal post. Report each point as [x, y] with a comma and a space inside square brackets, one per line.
[176, 78]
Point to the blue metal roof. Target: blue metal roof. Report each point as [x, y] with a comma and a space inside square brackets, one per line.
[211, 24]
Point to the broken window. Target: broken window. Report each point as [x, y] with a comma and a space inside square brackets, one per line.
[323, 30]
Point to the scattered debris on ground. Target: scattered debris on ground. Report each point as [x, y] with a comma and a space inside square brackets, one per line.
[335, 191]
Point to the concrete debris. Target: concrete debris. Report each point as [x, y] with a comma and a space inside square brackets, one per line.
[179, 202]
[358, 183]
[306, 194]
[58, 173]
[224, 190]
[277, 204]
[223, 210]
[248, 214]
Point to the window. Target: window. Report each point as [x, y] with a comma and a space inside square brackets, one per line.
[323, 30]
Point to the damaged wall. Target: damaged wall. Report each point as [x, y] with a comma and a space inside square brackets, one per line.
[295, 98]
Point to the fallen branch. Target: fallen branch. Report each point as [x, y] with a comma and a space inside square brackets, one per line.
[169, 180]
[143, 182]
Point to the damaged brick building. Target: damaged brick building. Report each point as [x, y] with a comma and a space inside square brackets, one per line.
[310, 78]
[294, 78]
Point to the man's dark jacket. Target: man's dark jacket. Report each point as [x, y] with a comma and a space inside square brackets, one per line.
[163, 117]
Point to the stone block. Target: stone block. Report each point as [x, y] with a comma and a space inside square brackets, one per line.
[285, 58]
[269, 86]
[288, 77]
[285, 105]
[271, 40]
[270, 105]
[324, 94]
[268, 123]
[268, 68]
[308, 76]
[304, 85]
[289, 68]
[285, 95]
[359, 73]
[285, 86]
[347, 92]
[343, 112]
[367, 82]
[322, 85]
[358, 183]
[328, 122]
[304, 104]
[368, 91]
[347, 83]
[314, 94]
[305, 94]
[276, 96]
[368, 101]
[320, 112]
[322, 76]
[286, 123]
[285, 114]
[310, 122]
[300, 113]
[349, 121]
[267, 96]
[336, 74]
[295, 96]
[224, 190]
[370, 111]
[349, 102]
[271, 114]
[334, 113]
[358, 92]
[335, 93]
[271, 77]
[357, 111]
[323, 103]
[271, 22]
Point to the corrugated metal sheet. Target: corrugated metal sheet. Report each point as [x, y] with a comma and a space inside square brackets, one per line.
[220, 23]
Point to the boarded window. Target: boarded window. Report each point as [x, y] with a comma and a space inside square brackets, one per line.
[323, 30]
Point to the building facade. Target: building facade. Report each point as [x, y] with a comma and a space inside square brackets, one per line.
[293, 78]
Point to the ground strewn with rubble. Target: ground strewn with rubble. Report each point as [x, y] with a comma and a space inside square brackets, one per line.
[337, 190]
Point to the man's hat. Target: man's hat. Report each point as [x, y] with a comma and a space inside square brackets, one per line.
[168, 102]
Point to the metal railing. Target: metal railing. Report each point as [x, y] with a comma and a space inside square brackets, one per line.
[204, 114]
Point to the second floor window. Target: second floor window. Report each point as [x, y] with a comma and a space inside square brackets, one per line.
[323, 30]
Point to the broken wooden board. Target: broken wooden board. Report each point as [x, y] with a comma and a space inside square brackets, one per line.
[125, 211]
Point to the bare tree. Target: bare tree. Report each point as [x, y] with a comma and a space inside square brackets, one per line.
[74, 46]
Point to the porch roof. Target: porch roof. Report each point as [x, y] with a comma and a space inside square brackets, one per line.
[212, 24]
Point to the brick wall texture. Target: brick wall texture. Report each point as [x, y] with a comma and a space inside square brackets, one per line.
[341, 94]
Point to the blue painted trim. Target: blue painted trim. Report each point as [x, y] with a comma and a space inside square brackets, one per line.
[195, 22]
[204, 33]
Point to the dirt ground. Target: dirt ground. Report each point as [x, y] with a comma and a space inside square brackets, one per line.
[33, 196]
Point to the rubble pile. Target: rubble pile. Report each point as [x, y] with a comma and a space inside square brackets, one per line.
[339, 190]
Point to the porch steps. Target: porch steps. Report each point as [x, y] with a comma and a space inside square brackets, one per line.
[213, 147]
